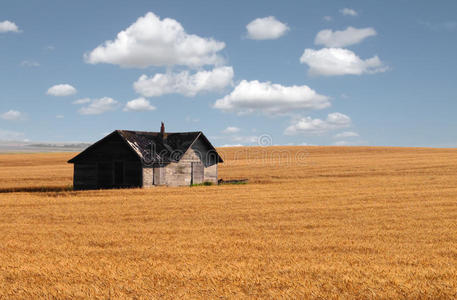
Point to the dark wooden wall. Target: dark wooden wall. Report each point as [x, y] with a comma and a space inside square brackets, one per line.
[208, 156]
[95, 169]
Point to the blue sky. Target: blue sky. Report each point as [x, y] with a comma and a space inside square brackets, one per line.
[300, 72]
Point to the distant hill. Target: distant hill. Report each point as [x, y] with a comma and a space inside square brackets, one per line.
[13, 146]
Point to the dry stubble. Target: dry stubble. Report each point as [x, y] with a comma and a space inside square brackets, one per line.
[339, 221]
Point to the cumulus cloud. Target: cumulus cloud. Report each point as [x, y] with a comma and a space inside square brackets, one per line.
[343, 38]
[99, 106]
[184, 83]
[348, 12]
[308, 125]
[327, 18]
[29, 63]
[267, 28]
[139, 104]
[61, 90]
[151, 41]
[346, 134]
[82, 101]
[269, 98]
[231, 129]
[338, 61]
[12, 115]
[8, 26]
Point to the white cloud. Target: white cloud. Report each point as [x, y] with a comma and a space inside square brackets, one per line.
[151, 41]
[8, 26]
[231, 129]
[7, 135]
[192, 120]
[61, 90]
[99, 106]
[348, 12]
[443, 26]
[343, 38]
[82, 101]
[139, 104]
[327, 18]
[308, 125]
[341, 143]
[344, 96]
[12, 115]
[269, 98]
[29, 63]
[346, 134]
[184, 83]
[267, 28]
[338, 61]
[235, 140]
[231, 145]
[245, 139]
[60, 116]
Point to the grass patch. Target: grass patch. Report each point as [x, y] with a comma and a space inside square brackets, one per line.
[235, 181]
[206, 183]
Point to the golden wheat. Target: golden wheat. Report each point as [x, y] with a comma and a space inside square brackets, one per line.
[313, 222]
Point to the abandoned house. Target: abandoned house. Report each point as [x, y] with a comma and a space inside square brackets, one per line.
[145, 159]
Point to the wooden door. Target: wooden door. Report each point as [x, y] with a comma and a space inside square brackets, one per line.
[197, 170]
[157, 178]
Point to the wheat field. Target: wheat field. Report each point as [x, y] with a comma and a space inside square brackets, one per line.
[313, 222]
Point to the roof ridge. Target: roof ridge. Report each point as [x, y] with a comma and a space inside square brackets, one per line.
[153, 131]
[141, 143]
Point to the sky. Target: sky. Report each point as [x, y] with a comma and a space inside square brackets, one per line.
[376, 73]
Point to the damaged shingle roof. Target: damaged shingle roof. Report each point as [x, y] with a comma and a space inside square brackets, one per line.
[153, 147]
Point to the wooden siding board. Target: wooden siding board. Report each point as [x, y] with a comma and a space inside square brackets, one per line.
[95, 169]
[133, 175]
[85, 176]
[158, 177]
[210, 174]
[204, 153]
[180, 173]
[148, 176]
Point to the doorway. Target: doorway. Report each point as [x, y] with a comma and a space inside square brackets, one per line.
[196, 173]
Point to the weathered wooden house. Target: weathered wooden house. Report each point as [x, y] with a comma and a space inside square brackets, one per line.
[145, 159]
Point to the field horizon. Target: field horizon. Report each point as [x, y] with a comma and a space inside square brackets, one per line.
[313, 222]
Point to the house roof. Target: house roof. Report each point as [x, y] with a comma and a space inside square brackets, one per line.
[152, 147]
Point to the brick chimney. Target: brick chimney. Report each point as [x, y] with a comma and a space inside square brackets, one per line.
[162, 132]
